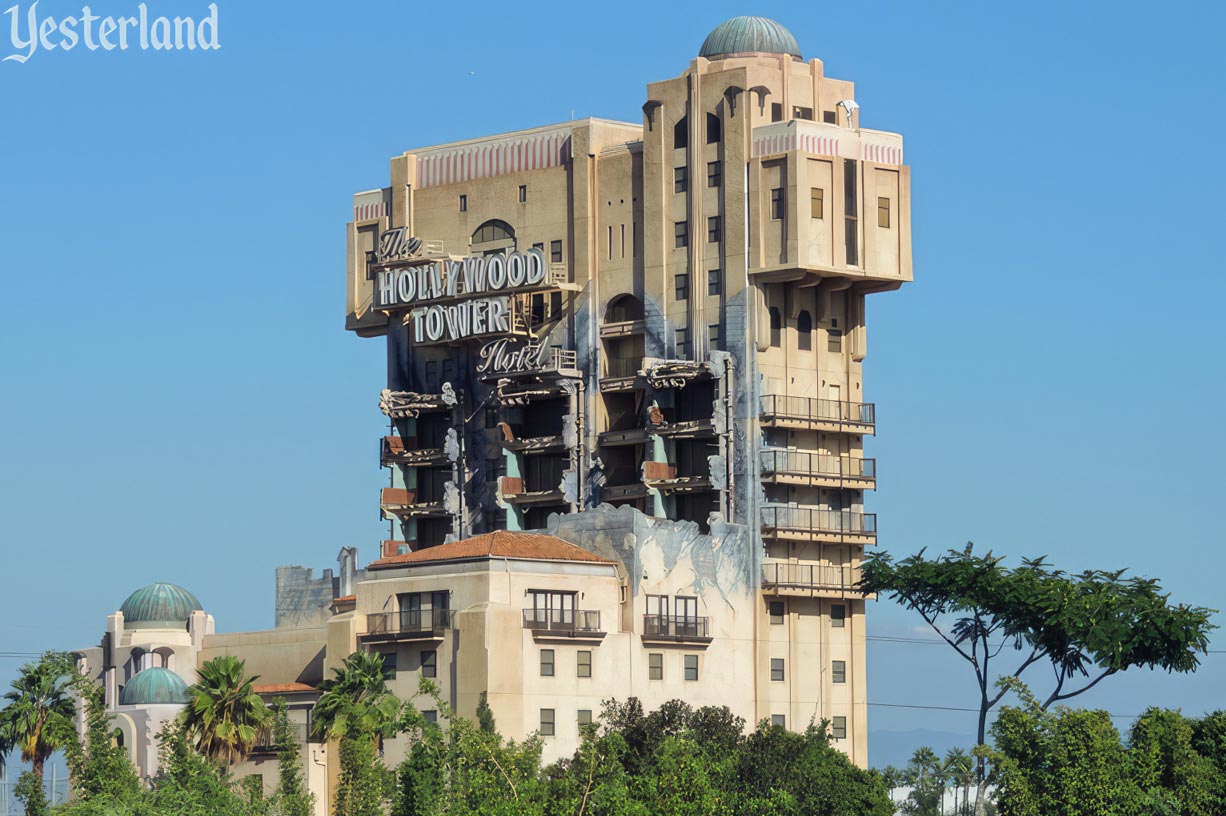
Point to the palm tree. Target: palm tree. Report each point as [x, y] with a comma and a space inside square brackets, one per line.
[39, 716]
[224, 714]
[958, 765]
[356, 701]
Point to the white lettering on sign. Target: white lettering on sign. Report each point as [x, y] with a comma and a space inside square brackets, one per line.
[439, 280]
[507, 356]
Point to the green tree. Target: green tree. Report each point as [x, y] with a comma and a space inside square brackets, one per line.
[485, 715]
[38, 720]
[224, 715]
[1087, 627]
[188, 783]
[1163, 757]
[959, 768]
[98, 767]
[291, 797]
[925, 776]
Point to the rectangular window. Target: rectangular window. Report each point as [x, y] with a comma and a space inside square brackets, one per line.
[429, 663]
[463, 203]
[851, 210]
[838, 616]
[838, 671]
[681, 179]
[546, 722]
[776, 111]
[802, 113]
[683, 343]
[655, 666]
[691, 667]
[389, 661]
[539, 245]
[778, 204]
[779, 720]
[682, 282]
[817, 202]
[430, 715]
[555, 251]
[776, 669]
[523, 193]
[610, 242]
[883, 212]
[838, 727]
[777, 611]
[713, 335]
[714, 174]
[834, 340]
[585, 716]
[546, 662]
[715, 283]
[584, 663]
[681, 234]
[830, 117]
[623, 242]
[713, 230]
[491, 417]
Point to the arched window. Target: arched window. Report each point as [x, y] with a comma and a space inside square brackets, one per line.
[493, 231]
[804, 327]
[624, 308]
[714, 129]
[776, 327]
[681, 133]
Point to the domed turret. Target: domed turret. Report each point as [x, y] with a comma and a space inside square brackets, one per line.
[159, 605]
[749, 35]
[154, 687]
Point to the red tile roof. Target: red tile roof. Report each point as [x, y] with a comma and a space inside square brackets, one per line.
[281, 688]
[499, 544]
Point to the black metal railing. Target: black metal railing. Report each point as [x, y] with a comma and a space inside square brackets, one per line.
[408, 622]
[812, 409]
[806, 463]
[562, 620]
[816, 519]
[809, 576]
[680, 626]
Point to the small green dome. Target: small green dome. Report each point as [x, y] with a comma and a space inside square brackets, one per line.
[749, 35]
[154, 687]
[159, 605]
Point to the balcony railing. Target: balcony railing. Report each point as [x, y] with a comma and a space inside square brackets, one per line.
[562, 620]
[823, 521]
[409, 622]
[675, 626]
[810, 409]
[810, 576]
[266, 737]
[806, 463]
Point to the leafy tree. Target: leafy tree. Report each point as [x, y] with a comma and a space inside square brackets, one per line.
[1163, 757]
[189, 784]
[925, 775]
[1209, 740]
[291, 797]
[959, 770]
[98, 767]
[224, 715]
[485, 715]
[1087, 627]
[38, 719]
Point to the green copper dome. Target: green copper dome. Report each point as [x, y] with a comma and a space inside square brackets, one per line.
[154, 687]
[749, 35]
[159, 605]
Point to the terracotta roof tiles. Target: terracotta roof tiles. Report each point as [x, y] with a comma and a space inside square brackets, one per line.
[499, 544]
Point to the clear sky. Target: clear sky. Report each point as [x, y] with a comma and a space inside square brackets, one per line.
[179, 400]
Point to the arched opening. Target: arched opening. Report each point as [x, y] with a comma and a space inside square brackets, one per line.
[681, 133]
[804, 329]
[776, 327]
[624, 308]
[164, 658]
[714, 129]
[494, 231]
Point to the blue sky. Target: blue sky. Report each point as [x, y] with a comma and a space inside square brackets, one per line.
[179, 400]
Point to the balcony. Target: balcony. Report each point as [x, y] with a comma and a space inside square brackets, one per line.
[793, 467]
[785, 523]
[404, 504]
[621, 373]
[563, 623]
[529, 444]
[425, 624]
[622, 328]
[663, 477]
[403, 451]
[810, 414]
[626, 492]
[266, 738]
[511, 490]
[675, 629]
[536, 362]
[685, 429]
[612, 439]
[410, 404]
[810, 580]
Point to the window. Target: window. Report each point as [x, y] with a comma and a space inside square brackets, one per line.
[691, 667]
[546, 662]
[779, 720]
[539, 245]
[655, 666]
[429, 663]
[585, 717]
[802, 113]
[681, 234]
[555, 251]
[830, 117]
[584, 664]
[851, 208]
[714, 174]
[713, 229]
[681, 133]
[681, 179]
[776, 111]
[777, 610]
[778, 204]
[776, 669]
[546, 722]
[838, 671]
[430, 715]
[550, 610]
[838, 727]
[683, 343]
[463, 203]
[610, 242]
[883, 212]
[682, 282]
[838, 616]
[389, 661]
[776, 327]
[523, 193]
[834, 340]
[804, 331]
[715, 283]
[432, 375]
[713, 335]
[817, 202]
[714, 129]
